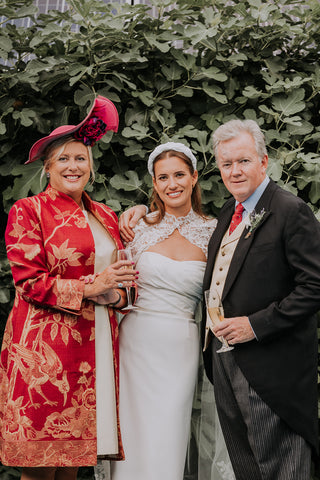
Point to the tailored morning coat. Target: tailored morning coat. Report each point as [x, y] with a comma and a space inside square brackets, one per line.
[48, 351]
[274, 279]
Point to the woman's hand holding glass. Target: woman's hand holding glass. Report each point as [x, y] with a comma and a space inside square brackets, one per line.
[118, 275]
[126, 254]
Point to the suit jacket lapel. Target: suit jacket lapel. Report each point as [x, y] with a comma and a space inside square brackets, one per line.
[246, 241]
[215, 241]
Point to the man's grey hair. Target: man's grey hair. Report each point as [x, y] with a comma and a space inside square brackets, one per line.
[233, 128]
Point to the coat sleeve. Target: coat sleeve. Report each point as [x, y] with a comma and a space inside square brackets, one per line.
[301, 249]
[27, 257]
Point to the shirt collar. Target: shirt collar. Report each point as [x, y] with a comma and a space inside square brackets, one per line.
[251, 202]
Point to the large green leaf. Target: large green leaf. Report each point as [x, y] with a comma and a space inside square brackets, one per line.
[215, 92]
[289, 104]
[135, 131]
[6, 46]
[127, 182]
[152, 39]
[275, 169]
[25, 116]
[172, 72]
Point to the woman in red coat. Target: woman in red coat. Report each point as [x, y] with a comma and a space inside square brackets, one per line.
[59, 359]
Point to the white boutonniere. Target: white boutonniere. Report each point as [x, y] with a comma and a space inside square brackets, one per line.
[253, 220]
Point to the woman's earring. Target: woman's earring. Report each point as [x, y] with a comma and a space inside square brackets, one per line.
[48, 175]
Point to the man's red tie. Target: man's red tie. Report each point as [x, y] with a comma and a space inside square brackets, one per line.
[236, 217]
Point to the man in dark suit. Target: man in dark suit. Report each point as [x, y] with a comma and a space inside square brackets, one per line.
[268, 274]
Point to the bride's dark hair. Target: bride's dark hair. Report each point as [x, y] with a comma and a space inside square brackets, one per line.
[157, 205]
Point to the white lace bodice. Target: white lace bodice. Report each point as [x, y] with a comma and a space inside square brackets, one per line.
[194, 228]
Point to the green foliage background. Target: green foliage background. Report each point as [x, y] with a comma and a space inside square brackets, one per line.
[175, 75]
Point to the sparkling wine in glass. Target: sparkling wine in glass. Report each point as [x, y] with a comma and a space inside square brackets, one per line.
[125, 254]
[216, 314]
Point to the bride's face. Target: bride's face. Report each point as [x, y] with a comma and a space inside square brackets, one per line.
[174, 182]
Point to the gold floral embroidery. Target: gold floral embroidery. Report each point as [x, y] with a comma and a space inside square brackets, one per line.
[52, 193]
[90, 260]
[92, 336]
[60, 452]
[89, 399]
[30, 251]
[37, 353]
[88, 312]
[18, 426]
[85, 367]
[7, 336]
[17, 230]
[70, 320]
[81, 222]
[72, 421]
[63, 256]
[68, 293]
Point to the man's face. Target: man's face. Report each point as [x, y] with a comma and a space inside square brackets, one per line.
[241, 169]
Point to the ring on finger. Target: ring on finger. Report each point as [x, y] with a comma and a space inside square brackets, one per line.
[120, 285]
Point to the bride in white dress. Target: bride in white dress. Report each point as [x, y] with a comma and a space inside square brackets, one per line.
[159, 340]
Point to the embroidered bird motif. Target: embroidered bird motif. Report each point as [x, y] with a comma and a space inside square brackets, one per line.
[38, 368]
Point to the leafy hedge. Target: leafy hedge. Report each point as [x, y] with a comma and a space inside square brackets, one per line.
[177, 73]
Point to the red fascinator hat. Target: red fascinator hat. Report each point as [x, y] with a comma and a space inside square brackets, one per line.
[102, 117]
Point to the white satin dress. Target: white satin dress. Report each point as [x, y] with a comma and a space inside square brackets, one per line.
[159, 355]
[159, 365]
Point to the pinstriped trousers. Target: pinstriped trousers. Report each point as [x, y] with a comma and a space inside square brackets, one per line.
[261, 446]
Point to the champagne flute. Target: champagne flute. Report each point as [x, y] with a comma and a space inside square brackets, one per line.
[216, 314]
[126, 254]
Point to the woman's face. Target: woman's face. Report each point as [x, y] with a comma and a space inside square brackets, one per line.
[70, 170]
[173, 183]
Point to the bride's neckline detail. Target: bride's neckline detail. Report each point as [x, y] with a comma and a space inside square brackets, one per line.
[172, 259]
[182, 218]
[196, 229]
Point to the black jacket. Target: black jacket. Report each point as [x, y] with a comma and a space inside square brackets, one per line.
[274, 279]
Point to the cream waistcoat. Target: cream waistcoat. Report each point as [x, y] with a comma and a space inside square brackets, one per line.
[220, 271]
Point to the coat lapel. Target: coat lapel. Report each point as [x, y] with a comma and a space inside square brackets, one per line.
[224, 220]
[240, 254]
[109, 224]
[245, 241]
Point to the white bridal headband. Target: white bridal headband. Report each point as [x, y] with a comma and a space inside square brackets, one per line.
[164, 147]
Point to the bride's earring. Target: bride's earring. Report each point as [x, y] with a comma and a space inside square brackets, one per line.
[48, 175]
